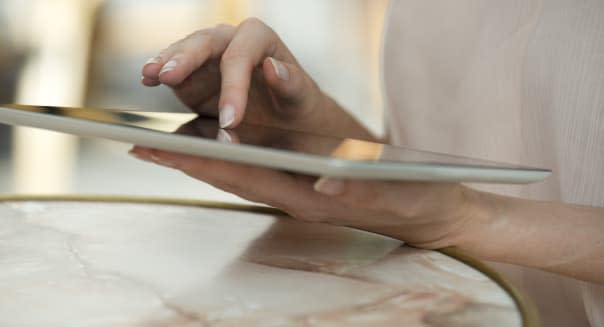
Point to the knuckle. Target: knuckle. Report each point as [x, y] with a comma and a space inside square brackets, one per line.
[193, 44]
[204, 39]
[175, 45]
[234, 54]
[166, 53]
[198, 33]
[197, 40]
[223, 27]
[234, 86]
[252, 22]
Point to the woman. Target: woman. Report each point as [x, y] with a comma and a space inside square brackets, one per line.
[501, 80]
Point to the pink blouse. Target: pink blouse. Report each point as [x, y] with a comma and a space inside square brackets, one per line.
[518, 81]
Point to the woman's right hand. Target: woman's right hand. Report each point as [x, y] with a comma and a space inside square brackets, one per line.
[247, 73]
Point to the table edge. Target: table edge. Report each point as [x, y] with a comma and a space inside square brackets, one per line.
[528, 310]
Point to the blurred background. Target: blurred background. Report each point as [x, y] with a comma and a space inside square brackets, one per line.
[90, 52]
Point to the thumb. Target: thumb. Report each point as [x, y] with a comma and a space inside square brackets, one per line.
[288, 81]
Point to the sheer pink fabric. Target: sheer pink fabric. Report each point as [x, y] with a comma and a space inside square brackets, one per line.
[518, 81]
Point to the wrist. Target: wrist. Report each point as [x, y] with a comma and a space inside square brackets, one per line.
[554, 237]
[494, 232]
[480, 217]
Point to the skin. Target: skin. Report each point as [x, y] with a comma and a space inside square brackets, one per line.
[251, 70]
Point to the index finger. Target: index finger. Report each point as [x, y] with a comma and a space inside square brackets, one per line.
[252, 43]
[183, 58]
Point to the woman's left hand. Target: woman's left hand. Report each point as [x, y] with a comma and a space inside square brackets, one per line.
[425, 215]
[555, 237]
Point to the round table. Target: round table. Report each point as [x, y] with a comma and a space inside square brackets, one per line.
[109, 261]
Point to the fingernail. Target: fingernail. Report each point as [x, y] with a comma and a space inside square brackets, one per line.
[162, 161]
[280, 69]
[169, 66]
[329, 186]
[224, 136]
[227, 116]
[154, 60]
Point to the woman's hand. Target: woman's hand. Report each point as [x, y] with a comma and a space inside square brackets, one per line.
[247, 73]
[555, 237]
[425, 215]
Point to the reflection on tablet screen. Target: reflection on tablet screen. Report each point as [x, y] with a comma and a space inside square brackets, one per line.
[260, 136]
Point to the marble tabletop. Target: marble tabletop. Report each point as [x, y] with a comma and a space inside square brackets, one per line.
[71, 263]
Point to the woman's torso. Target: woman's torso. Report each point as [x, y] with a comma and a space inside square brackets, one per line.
[519, 81]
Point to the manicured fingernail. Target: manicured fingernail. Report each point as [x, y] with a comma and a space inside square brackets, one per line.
[162, 161]
[154, 60]
[329, 186]
[224, 136]
[227, 116]
[168, 67]
[280, 69]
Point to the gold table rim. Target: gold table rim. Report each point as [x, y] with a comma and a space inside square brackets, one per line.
[528, 310]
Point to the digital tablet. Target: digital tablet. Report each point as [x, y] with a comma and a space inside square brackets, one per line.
[276, 148]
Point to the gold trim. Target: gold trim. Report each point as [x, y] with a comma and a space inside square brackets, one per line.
[528, 311]
[145, 199]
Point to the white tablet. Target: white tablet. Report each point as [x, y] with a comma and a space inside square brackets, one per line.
[268, 147]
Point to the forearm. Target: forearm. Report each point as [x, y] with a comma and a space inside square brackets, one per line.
[560, 238]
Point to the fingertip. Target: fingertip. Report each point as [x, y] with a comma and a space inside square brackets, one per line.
[232, 103]
[175, 160]
[139, 149]
[137, 156]
[229, 116]
[276, 68]
[160, 158]
[270, 72]
[151, 70]
[171, 73]
[286, 79]
[150, 82]
[235, 88]
[140, 153]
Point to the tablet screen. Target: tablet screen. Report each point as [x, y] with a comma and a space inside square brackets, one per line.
[266, 137]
